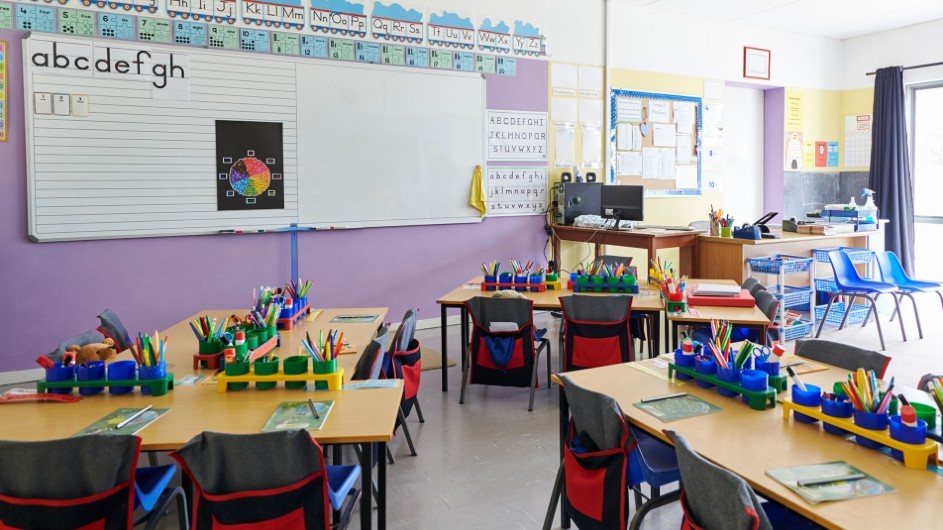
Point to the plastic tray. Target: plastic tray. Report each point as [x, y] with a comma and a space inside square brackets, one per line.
[826, 285]
[857, 255]
[858, 312]
[158, 387]
[759, 400]
[796, 331]
[779, 263]
[334, 380]
[793, 296]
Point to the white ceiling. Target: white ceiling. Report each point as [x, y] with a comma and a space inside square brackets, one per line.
[837, 19]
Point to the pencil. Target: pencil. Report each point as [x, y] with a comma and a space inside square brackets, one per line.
[133, 417]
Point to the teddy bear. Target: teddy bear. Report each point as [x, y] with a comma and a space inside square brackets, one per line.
[97, 351]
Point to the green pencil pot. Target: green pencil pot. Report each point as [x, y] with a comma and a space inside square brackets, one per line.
[209, 348]
[597, 282]
[297, 364]
[255, 337]
[628, 279]
[324, 367]
[551, 277]
[238, 368]
[726, 231]
[271, 331]
[265, 367]
[926, 413]
[582, 281]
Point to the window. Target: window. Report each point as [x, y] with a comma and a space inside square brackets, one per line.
[927, 139]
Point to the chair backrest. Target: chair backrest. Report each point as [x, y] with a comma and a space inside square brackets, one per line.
[596, 330]
[615, 261]
[94, 473]
[486, 311]
[276, 478]
[757, 287]
[844, 269]
[891, 269]
[842, 355]
[597, 415]
[499, 355]
[767, 303]
[714, 498]
[371, 362]
[112, 327]
[405, 332]
[749, 283]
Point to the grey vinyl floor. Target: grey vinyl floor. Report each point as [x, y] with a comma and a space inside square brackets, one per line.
[491, 464]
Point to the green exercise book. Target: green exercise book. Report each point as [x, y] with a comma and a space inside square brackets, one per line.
[297, 415]
[832, 491]
[107, 424]
[678, 408]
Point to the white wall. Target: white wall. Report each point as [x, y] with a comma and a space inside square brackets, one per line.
[743, 158]
[912, 45]
[657, 41]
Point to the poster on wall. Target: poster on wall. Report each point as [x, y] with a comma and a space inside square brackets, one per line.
[338, 16]
[517, 190]
[517, 135]
[451, 30]
[249, 166]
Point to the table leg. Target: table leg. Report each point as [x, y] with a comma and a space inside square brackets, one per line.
[564, 424]
[366, 484]
[557, 257]
[656, 332]
[443, 328]
[464, 317]
[381, 486]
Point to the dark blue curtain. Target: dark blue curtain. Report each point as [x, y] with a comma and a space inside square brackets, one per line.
[890, 164]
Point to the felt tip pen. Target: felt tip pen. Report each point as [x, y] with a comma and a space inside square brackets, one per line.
[259, 231]
[133, 417]
[795, 379]
[830, 480]
[314, 411]
[662, 398]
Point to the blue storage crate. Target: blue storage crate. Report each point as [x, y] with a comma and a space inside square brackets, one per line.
[792, 296]
[858, 313]
[779, 263]
[799, 329]
[825, 285]
[858, 255]
[821, 254]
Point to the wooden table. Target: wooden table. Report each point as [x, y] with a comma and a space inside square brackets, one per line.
[743, 316]
[547, 300]
[749, 442]
[650, 240]
[366, 417]
[725, 257]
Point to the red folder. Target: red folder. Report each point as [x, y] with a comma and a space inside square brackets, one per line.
[744, 299]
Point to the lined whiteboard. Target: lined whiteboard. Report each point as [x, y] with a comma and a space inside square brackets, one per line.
[139, 166]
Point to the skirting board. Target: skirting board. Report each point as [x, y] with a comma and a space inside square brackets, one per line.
[20, 376]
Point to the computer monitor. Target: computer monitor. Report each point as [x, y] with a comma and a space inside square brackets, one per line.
[624, 203]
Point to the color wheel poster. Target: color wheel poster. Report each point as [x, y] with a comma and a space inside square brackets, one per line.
[249, 166]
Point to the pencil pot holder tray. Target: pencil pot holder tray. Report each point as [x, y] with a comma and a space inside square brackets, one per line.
[153, 380]
[705, 366]
[907, 434]
[92, 371]
[157, 374]
[839, 407]
[757, 399]
[59, 373]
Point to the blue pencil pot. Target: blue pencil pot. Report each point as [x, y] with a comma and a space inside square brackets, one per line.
[772, 367]
[90, 372]
[873, 422]
[705, 365]
[505, 277]
[909, 435]
[754, 380]
[839, 407]
[683, 360]
[158, 371]
[520, 283]
[491, 279]
[287, 312]
[535, 280]
[810, 397]
[728, 375]
[60, 373]
[121, 370]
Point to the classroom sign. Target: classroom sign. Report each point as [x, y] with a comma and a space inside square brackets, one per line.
[208, 10]
[514, 135]
[517, 190]
[249, 166]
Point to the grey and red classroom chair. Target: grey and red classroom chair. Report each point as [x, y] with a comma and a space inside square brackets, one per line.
[404, 361]
[266, 481]
[603, 458]
[642, 325]
[595, 331]
[86, 482]
[842, 356]
[508, 357]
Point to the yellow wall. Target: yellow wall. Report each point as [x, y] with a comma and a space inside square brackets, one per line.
[822, 120]
[658, 210]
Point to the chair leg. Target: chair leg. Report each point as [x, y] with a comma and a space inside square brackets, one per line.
[642, 511]
[638, 497]
[465, 368]
[900, 321]
[549, 382]
[419, 412]
[831, 300]
[656, 492]
[409, 439]
[848, 306]
[877, 321]
[916, 312]
[154, 516]
[554, 498]
[389, 455]
[533, 386]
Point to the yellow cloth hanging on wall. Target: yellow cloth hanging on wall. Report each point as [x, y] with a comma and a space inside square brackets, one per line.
[477, 197]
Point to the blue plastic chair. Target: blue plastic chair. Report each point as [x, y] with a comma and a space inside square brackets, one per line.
[849, 283]
[893, 272]
[654, 463]
[152, 495]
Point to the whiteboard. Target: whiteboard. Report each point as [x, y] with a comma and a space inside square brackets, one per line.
[381, 146]
[141, 166]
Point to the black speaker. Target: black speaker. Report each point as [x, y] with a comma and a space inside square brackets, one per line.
[591, 177]
[566, 177]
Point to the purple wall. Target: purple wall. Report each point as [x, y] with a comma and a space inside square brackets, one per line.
[774, 105]
[54, 290]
